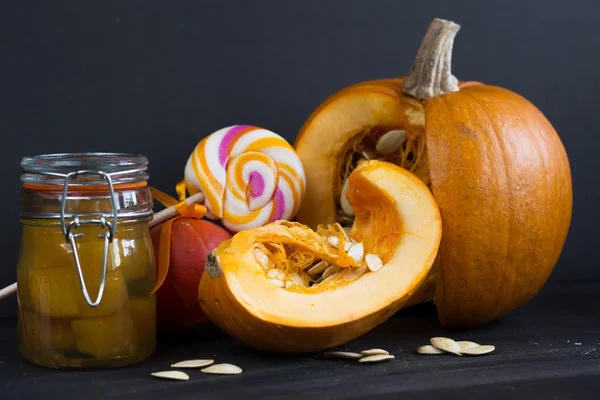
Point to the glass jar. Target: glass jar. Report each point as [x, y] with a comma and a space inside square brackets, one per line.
[86, 264]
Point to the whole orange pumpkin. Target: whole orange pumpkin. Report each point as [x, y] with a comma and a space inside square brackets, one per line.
[494, 163]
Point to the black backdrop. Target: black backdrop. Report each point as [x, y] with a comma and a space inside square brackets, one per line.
[154, 77]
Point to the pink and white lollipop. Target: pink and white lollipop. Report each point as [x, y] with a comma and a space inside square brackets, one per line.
[249, 176]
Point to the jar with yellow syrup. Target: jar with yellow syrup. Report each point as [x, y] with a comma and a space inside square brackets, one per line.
[86, 265]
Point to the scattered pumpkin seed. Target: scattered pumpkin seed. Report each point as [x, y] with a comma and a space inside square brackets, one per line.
[376, 358]
[373, 262]
[173, 375]
[446, 344]
[193, 364]
[222, 369]
[465, 344]
[288, 284]
[347, 355]
[281, 276]
[429, 349]
[357, 252]
[375, 352]
[391, 141]
[347, 245]
[479, 350]
[318, 268]
[277, 282]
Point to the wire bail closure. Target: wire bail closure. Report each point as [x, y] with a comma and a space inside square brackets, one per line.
[108, 235]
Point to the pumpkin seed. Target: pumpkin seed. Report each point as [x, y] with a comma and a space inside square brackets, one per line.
[330, 271]
[295, 278]
[334, 241]
[465, 344]
[347, 355]
[429, 349]
[262, 258]
[368, 154]
[273, 273]
[375, 352]
[277, 282]
[173, 375]
[281, 276]
[347, 245]
[376, 358]
[446, 344]
[347, 230]
[373, 262]
[479, 350]
[357, 252]
[222, 369]
[344, 203]
[318, 268]
[288, 284]
[193, 364]
[391, 141]
[354, 273]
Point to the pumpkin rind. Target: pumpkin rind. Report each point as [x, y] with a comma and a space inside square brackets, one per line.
[236, 295]
[501, 177]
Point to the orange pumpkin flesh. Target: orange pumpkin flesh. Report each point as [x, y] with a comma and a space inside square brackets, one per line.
[396, 218]
[497, 170]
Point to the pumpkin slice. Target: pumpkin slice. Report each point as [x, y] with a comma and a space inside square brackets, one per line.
[261, 286]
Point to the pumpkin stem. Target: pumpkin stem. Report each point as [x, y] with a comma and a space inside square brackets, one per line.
[430, 74]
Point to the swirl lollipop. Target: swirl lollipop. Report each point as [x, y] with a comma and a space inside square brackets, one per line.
[250, 176]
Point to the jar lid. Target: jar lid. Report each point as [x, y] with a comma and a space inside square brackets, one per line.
[51, 169]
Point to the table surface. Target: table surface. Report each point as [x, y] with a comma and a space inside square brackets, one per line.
[548, 349]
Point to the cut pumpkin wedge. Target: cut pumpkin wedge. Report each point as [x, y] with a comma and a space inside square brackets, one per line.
[258, 286]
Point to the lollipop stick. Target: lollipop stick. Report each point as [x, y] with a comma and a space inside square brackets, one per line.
[7, 291]
[159, 217]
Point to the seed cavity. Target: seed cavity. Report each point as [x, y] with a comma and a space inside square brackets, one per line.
[193, 364]
[173, 375]
[391, 141]
[330, 271]
[222, 369]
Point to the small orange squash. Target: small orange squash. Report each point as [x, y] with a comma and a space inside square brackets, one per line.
[494, 163]
[285, 288]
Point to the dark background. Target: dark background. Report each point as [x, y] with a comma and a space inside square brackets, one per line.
[154, 77]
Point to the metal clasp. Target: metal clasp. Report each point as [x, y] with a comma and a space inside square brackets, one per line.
[111, 229]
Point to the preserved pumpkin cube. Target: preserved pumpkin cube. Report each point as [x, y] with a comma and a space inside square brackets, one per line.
[106, 337]
[113, 299]
[53, 291]
[46, 333]
[142, 311]
[51, 248]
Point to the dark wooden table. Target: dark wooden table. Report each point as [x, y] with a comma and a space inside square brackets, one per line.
[550, 349]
